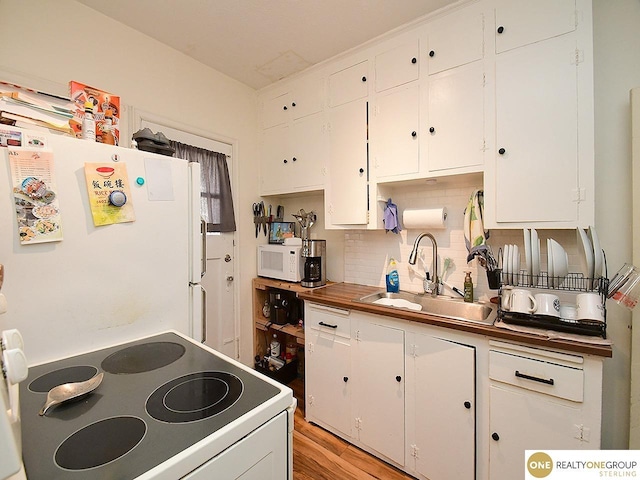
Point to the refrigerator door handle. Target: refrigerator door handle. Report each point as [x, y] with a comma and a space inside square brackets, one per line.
[203, 234]
[204, 314]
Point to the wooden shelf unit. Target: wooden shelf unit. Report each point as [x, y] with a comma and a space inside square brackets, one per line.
[260, 292]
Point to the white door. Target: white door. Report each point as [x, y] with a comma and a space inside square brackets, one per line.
[219, 282]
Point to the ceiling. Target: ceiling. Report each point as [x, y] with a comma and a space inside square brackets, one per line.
[258, 42]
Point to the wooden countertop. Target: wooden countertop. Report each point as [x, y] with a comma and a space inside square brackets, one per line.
[344, 295]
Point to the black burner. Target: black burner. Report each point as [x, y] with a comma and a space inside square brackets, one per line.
[143, 358]
[100, 443]
[49, 380]
[194, 397]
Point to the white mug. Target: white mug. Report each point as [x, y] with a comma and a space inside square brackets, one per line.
[548, 304]
[521, 301]
[589, 307]
[568, 312]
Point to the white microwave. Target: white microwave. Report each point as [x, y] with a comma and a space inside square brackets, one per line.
[282, 262]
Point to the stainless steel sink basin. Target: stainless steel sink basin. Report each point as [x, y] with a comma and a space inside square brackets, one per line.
[441, 306]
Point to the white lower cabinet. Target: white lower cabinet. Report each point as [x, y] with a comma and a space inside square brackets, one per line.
[540, 400]
[378, 403]
[441, 399]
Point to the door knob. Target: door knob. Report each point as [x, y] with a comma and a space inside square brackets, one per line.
[227, 258]
[467, 404]
[229, 278]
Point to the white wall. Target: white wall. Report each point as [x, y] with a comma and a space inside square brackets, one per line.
[45, 44]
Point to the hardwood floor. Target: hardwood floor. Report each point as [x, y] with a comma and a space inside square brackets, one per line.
[320, 455]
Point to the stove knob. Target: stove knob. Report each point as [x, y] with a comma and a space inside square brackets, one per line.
[12, 339]
[117, 198]
[15, 365]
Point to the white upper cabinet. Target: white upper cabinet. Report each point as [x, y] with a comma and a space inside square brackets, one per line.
[349, 84]
[299, 98]
[455, 39]
[398, 65]
[522, 22]
[394, 132]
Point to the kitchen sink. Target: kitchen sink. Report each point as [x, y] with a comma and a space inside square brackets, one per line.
[447, 307]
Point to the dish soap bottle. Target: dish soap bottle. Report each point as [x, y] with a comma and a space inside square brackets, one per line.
[468, 287]
[88, 123]
[393, 281]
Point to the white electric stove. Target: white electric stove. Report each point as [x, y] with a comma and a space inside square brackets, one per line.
[167, 408]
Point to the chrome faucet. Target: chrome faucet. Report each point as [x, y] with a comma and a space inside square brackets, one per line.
[413, 256]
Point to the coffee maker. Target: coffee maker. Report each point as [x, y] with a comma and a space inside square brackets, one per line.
[313, 251]
[315, 270]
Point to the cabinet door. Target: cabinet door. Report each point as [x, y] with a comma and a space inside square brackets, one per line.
[380, 397]
[522, 22]
[346, 189]
[521, 421]
[455, 39]
[455, 132]
[537, 137]
[445, 408]
[275, 110]
[394, 135]
[275, 159]
[349, 84]
[306, 96]
[308, 152]
[397, 66]
[327, 377]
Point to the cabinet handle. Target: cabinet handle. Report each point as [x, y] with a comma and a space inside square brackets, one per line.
[322, 324]
[293, 104]
[414, 60]
[364, 79]
[414, 134]
[398, 378]
[502, 151]
[548, 381]
[284, 108]
[432, 53]
[345, 379]
[294, 159]
[467, 405]
[432, 130]
[361, 170]
[285, 161]
[500, 29]
[495, 436]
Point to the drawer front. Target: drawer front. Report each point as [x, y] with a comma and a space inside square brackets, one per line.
[328, 319]
[539, 376]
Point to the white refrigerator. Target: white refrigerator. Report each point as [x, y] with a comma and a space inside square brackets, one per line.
[73, 286]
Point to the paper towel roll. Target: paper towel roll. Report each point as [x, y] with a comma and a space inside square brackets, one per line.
[424, 218]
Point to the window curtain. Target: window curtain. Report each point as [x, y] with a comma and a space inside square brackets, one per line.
[216, 199]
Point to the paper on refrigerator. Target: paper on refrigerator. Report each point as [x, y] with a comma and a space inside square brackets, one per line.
[34, 193]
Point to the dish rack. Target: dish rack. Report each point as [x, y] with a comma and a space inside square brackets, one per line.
[571, 283]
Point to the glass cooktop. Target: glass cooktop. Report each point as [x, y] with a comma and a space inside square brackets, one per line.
[159, 396]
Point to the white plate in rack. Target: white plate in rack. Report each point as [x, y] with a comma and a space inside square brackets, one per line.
[598, 257]
[535, 255]
[527, 256]
[585, 252]
[560, 263]
[549, 264]
[505, 264]
[515, 263]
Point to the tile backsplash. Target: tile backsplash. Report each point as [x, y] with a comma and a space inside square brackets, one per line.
[367, 253]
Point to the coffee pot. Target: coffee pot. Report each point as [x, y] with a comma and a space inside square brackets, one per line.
[313, 251]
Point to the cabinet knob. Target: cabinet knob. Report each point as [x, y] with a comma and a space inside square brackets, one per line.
[500, 29]
[398, 378]
[285, 161]
[432, 130]
[467, 405]
[495, 436]
[414, 134]
[293, 104]
[294, 159]
[361, 170]
[345, 379]
[414, 60]
[502, 151]
[432, 53]
[364, 79]
[284, 108]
